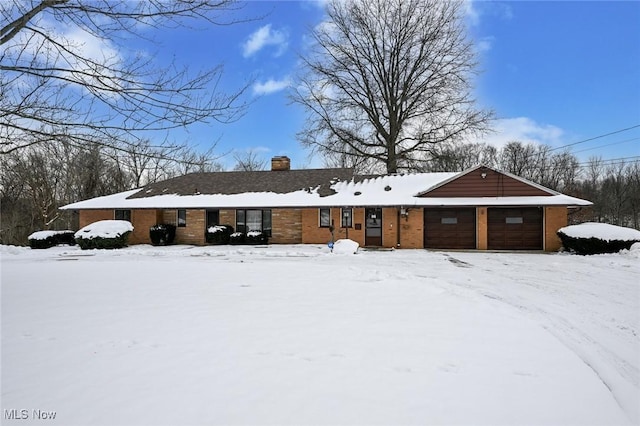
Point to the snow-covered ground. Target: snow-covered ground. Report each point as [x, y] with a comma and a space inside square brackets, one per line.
[296, 335]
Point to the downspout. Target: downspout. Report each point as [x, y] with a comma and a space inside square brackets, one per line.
[398, 228]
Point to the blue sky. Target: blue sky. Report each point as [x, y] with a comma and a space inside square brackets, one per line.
[553, 72]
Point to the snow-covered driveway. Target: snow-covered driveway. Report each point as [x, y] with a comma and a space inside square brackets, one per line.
[296, 335]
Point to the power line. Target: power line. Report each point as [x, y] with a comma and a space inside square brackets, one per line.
[609, 144]
[596, 137]
[610, 161]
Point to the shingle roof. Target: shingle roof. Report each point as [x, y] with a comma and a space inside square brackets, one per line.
[303, 188]
[279, 182]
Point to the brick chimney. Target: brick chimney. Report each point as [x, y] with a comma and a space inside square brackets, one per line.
[280, 163]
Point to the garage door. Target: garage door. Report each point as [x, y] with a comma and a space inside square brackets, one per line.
[515, 228]
[450, 228]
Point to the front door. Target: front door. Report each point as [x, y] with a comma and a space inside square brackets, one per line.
[373, 227]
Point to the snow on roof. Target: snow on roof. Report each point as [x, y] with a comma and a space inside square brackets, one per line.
[601, 231]
[389, 190]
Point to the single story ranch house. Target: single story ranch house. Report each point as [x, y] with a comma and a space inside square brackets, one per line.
[480, 208]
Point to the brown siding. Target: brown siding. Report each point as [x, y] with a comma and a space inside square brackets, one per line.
[286, 226]
[495, 184]
[554, 219]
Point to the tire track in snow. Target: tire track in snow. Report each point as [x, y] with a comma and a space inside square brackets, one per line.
[619, 376]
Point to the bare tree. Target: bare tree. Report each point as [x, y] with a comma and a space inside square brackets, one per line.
[387, 79]
[633, 182]
[53, 86]
[518, 158]
[249, 160]
[457, 157]
[193, 161]
[35, 181]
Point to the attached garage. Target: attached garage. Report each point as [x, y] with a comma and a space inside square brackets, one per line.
[515, 228]
[453, 228]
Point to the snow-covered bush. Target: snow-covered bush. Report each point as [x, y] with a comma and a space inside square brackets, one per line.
[237, 238]
[218, 234]
[635, 250]
[345, 246]
[48, 239]
[162, 234]
[256, 237]
[104, 234]
[251, 237]
[595, 238]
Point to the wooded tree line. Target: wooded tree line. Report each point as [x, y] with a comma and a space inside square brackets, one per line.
[36, 181]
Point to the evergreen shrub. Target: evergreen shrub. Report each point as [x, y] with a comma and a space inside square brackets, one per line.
[218, 234]
[115, 242]
[48, 239]
[162, 234]
[256, 237]
[237, 238]
[104, 234]
[593, 245]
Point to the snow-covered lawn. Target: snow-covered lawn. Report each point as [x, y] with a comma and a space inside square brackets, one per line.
[295, 335]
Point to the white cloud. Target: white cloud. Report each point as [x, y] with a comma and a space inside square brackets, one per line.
[90, 46]
[265, 36]
[475, 10]
[321, 4]
[472, 14]
[525, 130]
[271, 86]
[485, 44]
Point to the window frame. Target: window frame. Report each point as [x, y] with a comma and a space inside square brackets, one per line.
[181, 222]
[265, 219]
[126, 213]
[320, 217]
[209, 215]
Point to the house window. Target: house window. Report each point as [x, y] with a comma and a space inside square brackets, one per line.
[122, 215]
[253, 220]
[266, 222]
[182, 218]
[213, 218]
[449, 220]
[347, 218]
[325, 218]
[513, 220]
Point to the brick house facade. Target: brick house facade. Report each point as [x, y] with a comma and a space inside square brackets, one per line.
[480, 208]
